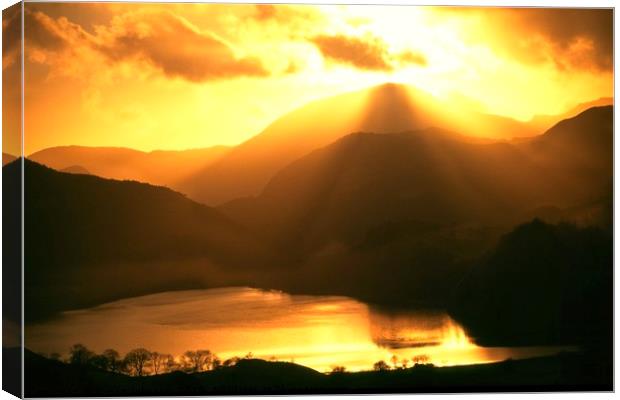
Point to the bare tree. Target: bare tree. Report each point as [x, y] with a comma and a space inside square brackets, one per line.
[420, 359]
[99, 361]
[394, 361]
[172, 364]
[114, 360]
[216, 362]
[338, 369]
[198, 360]
[380, 366]
[231, 362]
[137, 360]
[160, 362]
[79, 354]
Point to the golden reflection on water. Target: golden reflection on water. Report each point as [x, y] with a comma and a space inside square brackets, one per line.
[316, 331]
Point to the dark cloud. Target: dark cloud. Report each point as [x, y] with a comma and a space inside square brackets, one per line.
[368, 53]
[11, 34]
[578, 38]
[570, 38]
[177, 48]
[162, 39]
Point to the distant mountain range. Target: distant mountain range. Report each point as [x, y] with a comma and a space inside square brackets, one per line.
[217, 175]
[382, 109]
[338, 193]
[386, 204]
[166, 168]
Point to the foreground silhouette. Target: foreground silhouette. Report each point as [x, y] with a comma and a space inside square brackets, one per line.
[50, 378]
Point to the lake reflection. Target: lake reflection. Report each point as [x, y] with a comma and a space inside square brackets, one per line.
[316, 331]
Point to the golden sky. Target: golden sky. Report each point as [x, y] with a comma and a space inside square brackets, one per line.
[176, 76]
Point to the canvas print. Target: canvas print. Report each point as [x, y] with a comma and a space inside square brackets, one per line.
[223, 199]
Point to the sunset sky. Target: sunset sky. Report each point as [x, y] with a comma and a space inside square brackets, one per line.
[179, 76]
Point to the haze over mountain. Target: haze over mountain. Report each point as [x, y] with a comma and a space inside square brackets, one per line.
[365, 216]
[544, 122]
[246, 169]
[415, 206]
[429, 176]
[381, 109]
[158, 167]
[98, 240]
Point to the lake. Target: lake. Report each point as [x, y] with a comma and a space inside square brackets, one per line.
[316, 331]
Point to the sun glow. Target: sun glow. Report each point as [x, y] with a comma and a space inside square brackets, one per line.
[273, 59]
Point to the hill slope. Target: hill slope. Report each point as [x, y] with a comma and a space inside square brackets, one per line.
[543, 284]
[430, 176]
[417, 207]
[166, 168]
[386, 108]
[90, 240]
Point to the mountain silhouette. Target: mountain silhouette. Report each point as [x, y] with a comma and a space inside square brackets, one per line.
[543, 284]
[246, 169]
[7, 158]
[75, 169]
[544, 122]
[383, 209]
[431, 176]
[159, 167]
[89, 240]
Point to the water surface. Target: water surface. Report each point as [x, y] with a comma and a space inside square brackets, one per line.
[316, 331]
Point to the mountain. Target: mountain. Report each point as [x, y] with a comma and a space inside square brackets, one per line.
[75, 169]
[543, 284]
[417, 207]
[7, 158]
[159, 167]
[364, 180]
[431, 176]
[89, 240]
[577, 153]
[246, 169]
[544, 122]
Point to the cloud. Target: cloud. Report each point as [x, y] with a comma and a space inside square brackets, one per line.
[573, 39]
[577, 38]
[11, 34]
[175, 46]
[160, 39]
[368, 53]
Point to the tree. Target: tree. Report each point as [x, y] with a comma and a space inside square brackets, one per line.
[216, 362]
[380, 366]
[338, 369]
[172, 365]
[114, 360]
[198, 360]
[99, 361]
[231, 362]
[421, 359]
[137, 360]
[404, 362]
[160, 362]
[394, 360]
[79, 354]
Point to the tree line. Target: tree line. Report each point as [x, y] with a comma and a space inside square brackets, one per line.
[142, 362]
